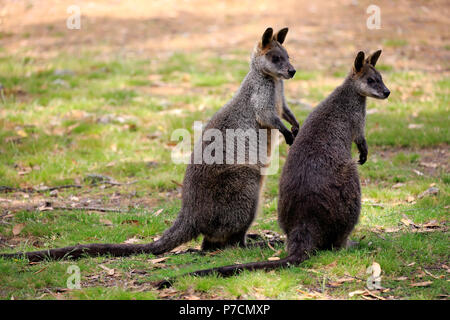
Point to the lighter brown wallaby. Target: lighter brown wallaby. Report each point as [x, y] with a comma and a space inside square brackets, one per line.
[219, 201]
[320, 196]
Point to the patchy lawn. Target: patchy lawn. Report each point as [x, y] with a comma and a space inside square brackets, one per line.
[65, 117]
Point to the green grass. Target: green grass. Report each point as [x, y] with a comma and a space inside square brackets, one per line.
[395, 43]
[115, 117]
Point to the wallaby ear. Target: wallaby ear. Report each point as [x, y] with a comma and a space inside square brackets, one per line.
[373, 58]
[281, 35]
[359, 61]
[267, 37]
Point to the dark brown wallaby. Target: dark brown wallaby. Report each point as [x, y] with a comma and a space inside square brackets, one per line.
[219, 201]
[320, 196]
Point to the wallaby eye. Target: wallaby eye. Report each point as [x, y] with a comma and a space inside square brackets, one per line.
[276, 59]
[370, 80]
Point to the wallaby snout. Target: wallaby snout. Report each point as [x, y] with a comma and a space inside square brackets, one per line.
[291, 72]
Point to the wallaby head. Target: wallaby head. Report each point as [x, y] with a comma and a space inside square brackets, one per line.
[366, 78]
[270, 57]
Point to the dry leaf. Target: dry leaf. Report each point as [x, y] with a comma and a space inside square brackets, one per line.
[370, 293]
[108, 270]
[106, 222]
[357, 292]
[407, 221]
[340, 281]
[331, 265]
[401, 278]
[158, 260]
[179, 249]
[420, 273]
[432, 275]
[429, 192]
[18, 228]
[431, 224]
[274, 258]
[169, 292]
[134, 222]
[24, 171]
[398, 185]
[429, 165]
[131, 240]
[421, 284]
[312, 294]
[45, 208]
[158, 212]
[22, 133]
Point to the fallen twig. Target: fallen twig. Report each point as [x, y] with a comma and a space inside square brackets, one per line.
[89, 209]
[6, 189]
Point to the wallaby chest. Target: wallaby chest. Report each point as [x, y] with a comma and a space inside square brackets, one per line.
[278, 97]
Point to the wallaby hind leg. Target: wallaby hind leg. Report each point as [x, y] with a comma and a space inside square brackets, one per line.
[237, 239]
[255, 237]
[344, 242]
[208, 245]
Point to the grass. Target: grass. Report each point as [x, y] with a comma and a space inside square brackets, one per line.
[115, 117]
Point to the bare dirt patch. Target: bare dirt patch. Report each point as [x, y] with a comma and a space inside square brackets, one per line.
[432, 160]
[323, 34]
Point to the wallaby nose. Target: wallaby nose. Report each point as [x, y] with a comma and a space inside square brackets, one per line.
[291, 72]
[386, 93]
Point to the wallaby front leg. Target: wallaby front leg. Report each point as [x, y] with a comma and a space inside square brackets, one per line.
[288, 135]
[273, 121]
[289, 117]
[363, 150]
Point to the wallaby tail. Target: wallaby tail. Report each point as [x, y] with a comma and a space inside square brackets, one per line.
[227, 271]
[179, 233]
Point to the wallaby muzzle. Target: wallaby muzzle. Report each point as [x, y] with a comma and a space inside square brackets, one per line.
[291, 72]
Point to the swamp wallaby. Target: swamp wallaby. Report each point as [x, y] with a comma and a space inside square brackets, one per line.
[219, 201]
[320, 196]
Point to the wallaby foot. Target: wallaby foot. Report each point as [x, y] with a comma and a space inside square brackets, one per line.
[345, 243]
[237, 239]
[255, 237]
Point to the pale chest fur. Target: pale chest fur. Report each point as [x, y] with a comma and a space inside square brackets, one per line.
[279, 97]
[278, 101]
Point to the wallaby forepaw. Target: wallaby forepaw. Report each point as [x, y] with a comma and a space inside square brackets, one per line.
[294, 131]
[362, 159]
[289, 138]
